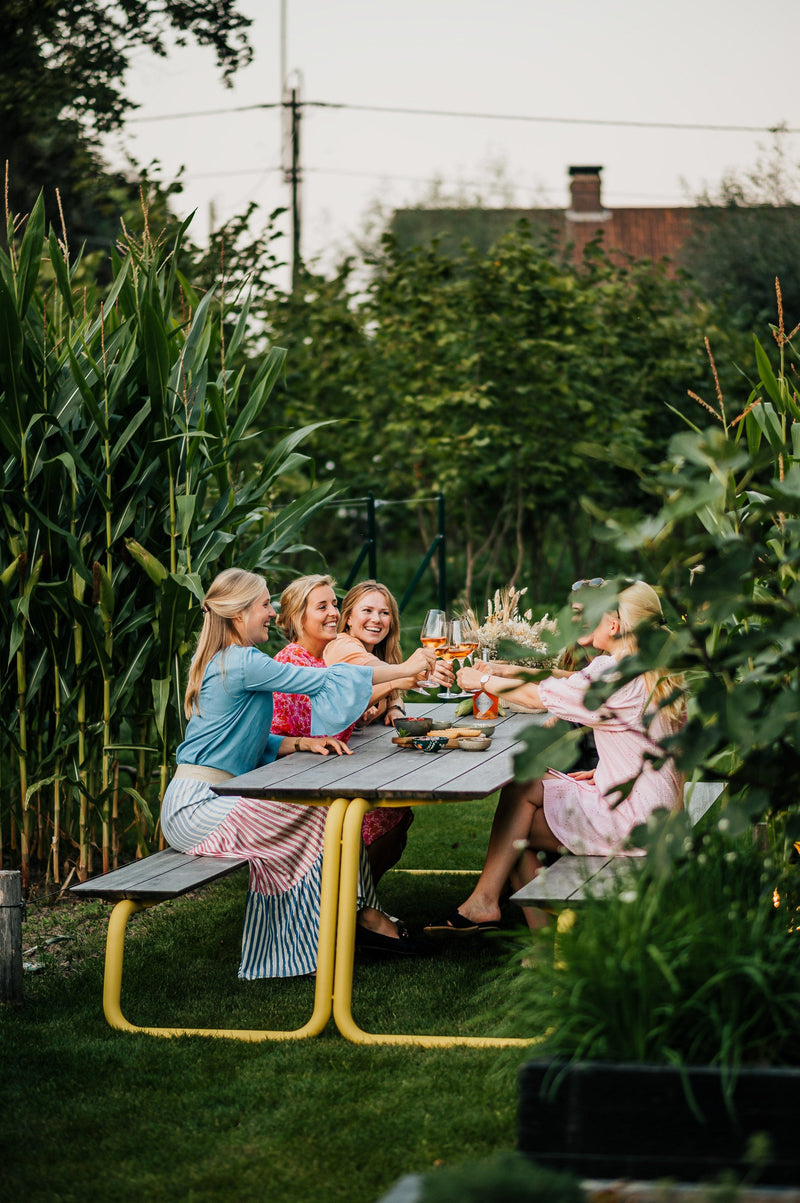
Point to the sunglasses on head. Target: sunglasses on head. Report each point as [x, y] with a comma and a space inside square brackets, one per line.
[594, 583]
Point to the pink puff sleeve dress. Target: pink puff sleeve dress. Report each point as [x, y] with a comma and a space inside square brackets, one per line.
[588, 817]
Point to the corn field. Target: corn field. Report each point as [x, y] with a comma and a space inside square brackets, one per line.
[123, 413]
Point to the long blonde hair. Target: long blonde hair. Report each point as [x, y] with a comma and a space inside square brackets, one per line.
[228, 596]
[389, 648]
[639, 606]
[294, 602]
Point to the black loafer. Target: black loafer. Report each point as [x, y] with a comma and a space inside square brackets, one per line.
[373, 941]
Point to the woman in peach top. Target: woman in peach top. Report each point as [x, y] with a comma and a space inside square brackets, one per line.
[369, 634]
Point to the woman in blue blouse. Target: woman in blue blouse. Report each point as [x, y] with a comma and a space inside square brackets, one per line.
[228, 704]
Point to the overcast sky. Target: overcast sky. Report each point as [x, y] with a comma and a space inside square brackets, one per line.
[582, 68]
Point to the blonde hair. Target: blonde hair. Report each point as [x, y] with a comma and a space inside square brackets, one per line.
[228, 596]
[294, 602]
[389, 648]
[639, 606]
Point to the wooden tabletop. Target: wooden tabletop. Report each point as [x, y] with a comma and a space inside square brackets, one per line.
[380, 770]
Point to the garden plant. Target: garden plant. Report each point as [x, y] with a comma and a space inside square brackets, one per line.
[694, 961]
[122, 423]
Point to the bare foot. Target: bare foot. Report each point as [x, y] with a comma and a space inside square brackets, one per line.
[479, 912]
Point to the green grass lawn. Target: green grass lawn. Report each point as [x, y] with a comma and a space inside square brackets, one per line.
[92, 1115]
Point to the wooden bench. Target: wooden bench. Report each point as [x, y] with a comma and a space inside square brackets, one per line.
[574, 879]
[167, 874]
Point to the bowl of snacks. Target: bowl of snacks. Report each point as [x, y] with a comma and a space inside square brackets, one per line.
[478, 744]
[412, 726]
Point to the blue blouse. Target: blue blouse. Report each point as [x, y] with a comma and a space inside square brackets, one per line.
[232, 730]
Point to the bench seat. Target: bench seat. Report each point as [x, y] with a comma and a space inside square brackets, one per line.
[574, 879]
[167, 874]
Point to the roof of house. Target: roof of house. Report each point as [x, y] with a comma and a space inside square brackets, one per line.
[642, 233]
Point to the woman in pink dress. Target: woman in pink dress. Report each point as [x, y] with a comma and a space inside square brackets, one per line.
[581, 812]
[309, 617]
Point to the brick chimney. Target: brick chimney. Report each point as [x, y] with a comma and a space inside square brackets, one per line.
[584, 188]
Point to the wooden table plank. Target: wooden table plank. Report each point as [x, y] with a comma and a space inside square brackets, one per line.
[379, 769]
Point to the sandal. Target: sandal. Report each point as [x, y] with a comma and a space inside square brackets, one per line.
[456, 925]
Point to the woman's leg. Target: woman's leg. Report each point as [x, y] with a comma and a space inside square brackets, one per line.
[386, 850]
[519, 817]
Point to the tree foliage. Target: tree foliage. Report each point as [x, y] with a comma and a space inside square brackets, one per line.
[511, 382]
[746, 234]
[724, 545]
[62, 83]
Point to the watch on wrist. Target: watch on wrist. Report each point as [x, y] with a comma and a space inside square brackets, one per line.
[485, 679]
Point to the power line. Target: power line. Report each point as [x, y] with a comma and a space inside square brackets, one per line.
[241, 108]
[697, 127]
[679, 125]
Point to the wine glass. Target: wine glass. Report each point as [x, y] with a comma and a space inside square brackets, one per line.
[433, 634]
[460, 642]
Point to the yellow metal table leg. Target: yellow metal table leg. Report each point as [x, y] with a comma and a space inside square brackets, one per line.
[323, 991]
[345, 951]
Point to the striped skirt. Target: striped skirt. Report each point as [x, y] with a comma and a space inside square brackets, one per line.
[283, 843]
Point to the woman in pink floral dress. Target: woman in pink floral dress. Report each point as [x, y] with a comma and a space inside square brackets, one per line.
[369, 634]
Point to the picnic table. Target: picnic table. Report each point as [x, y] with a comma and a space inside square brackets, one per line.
[379, 774]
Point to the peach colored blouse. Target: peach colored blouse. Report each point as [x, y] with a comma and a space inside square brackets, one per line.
[346, 649]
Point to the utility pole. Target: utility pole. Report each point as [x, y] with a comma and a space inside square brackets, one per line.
[293, 179]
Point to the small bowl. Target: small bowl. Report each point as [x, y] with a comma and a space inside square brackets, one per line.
[412, 726]
[430, 743]
[479, 744]
[441, 724]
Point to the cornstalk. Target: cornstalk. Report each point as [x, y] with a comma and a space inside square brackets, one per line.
[22, 763]
[106, 600]
[78, 587]
[22, 690]
[142, 785]
[115, 816]
[57, 783]
[40, 820]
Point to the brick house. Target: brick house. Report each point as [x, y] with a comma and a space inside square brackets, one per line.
[654, 233]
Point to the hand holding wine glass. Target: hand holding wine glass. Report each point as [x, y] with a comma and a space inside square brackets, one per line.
[433, 634]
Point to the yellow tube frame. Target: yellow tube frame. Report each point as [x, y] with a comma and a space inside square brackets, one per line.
[345, 951]
[323, 991]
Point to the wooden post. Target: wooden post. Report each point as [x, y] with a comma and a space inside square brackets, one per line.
[10, 937]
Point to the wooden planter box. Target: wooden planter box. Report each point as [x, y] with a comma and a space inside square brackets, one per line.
[609, 1120]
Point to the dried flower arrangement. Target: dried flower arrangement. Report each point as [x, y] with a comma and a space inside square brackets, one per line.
[505, 624]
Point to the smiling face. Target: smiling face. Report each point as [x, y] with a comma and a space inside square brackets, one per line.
[370, 619]
[318, 623]
[252, 624]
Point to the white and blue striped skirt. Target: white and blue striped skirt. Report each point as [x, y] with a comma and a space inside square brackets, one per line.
[283, 843]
